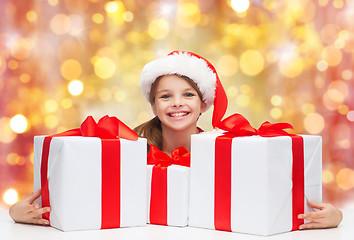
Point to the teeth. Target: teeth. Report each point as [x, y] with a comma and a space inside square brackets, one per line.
[180, 114]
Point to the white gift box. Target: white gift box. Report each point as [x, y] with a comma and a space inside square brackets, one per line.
[177, 194]
[261, 181]
[75, 181]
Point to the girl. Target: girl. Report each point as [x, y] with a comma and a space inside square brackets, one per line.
[179, 87]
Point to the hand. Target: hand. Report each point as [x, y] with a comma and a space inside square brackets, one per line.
[25, 211]
[327, 217]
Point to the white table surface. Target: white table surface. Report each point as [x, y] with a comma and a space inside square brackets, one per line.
[15, 231]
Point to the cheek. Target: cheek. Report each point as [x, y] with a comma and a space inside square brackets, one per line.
[202, 107]
[160, 107]
[197, 107]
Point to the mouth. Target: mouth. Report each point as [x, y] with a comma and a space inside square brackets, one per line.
[178, 114]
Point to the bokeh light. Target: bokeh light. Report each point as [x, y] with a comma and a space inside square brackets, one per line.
[308, 108]
[327, 176]
[128, 16]
[71, 69]
[10, 196]
[331, 55]
[51, 121]
[255, 58]
[75, 88]
[104, 68]
[18, 123]
[188, 15]
[115, 12]
[276, 113]
[51, 105]
[345, 178]
[25, 78]
[227, 65]
[21, 49]
[281, 61]
[60, 24]
[242, 100]
[347, 74]
[53, 2]
[343, 109]
[12, 64]
[66, 103]
[7, 134]
[97, 18]
[2, 65]
[240, 5]
[31, 16]
[276, 100]
[112, 7]
[350, 116]
[314, 123]
[291, 68]
[15, 159]
[159, 28]
[322, 65]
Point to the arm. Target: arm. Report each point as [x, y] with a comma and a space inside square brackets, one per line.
[328, 216]
[25, 211]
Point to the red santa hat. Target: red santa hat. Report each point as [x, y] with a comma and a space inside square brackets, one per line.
[197, 68]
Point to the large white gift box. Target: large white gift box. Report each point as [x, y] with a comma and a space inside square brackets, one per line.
[78, 183]
[261, 182]
[176, 205]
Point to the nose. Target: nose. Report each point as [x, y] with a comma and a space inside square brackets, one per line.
[177, 102]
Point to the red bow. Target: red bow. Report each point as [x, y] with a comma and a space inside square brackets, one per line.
[180, 156]
[238, 125]
[106, 128]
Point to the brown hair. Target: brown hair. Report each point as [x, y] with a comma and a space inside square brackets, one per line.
[152, 130]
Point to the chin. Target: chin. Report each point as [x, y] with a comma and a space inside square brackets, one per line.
[182, 127]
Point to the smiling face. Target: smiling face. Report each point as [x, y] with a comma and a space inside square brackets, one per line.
[177, 103]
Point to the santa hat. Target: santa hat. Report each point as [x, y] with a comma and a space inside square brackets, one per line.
[197, 68]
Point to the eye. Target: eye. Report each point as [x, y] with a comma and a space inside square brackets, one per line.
[189, 95]
[165, 96]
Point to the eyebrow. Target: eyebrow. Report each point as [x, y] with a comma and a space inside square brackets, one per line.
[189, 89]
[167, 90]
[161, 91]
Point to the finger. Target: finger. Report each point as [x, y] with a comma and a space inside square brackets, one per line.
[33, 207]
[311, 219]
[316, 205]
[311, 225]
[314, 215]
[40, 211]
[33, 196]
[40, 221]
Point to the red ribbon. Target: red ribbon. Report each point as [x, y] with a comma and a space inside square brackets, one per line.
[109, 129]
[161, 161]
[236, 125]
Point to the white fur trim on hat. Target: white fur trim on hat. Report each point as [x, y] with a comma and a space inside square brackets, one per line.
[181, 63]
